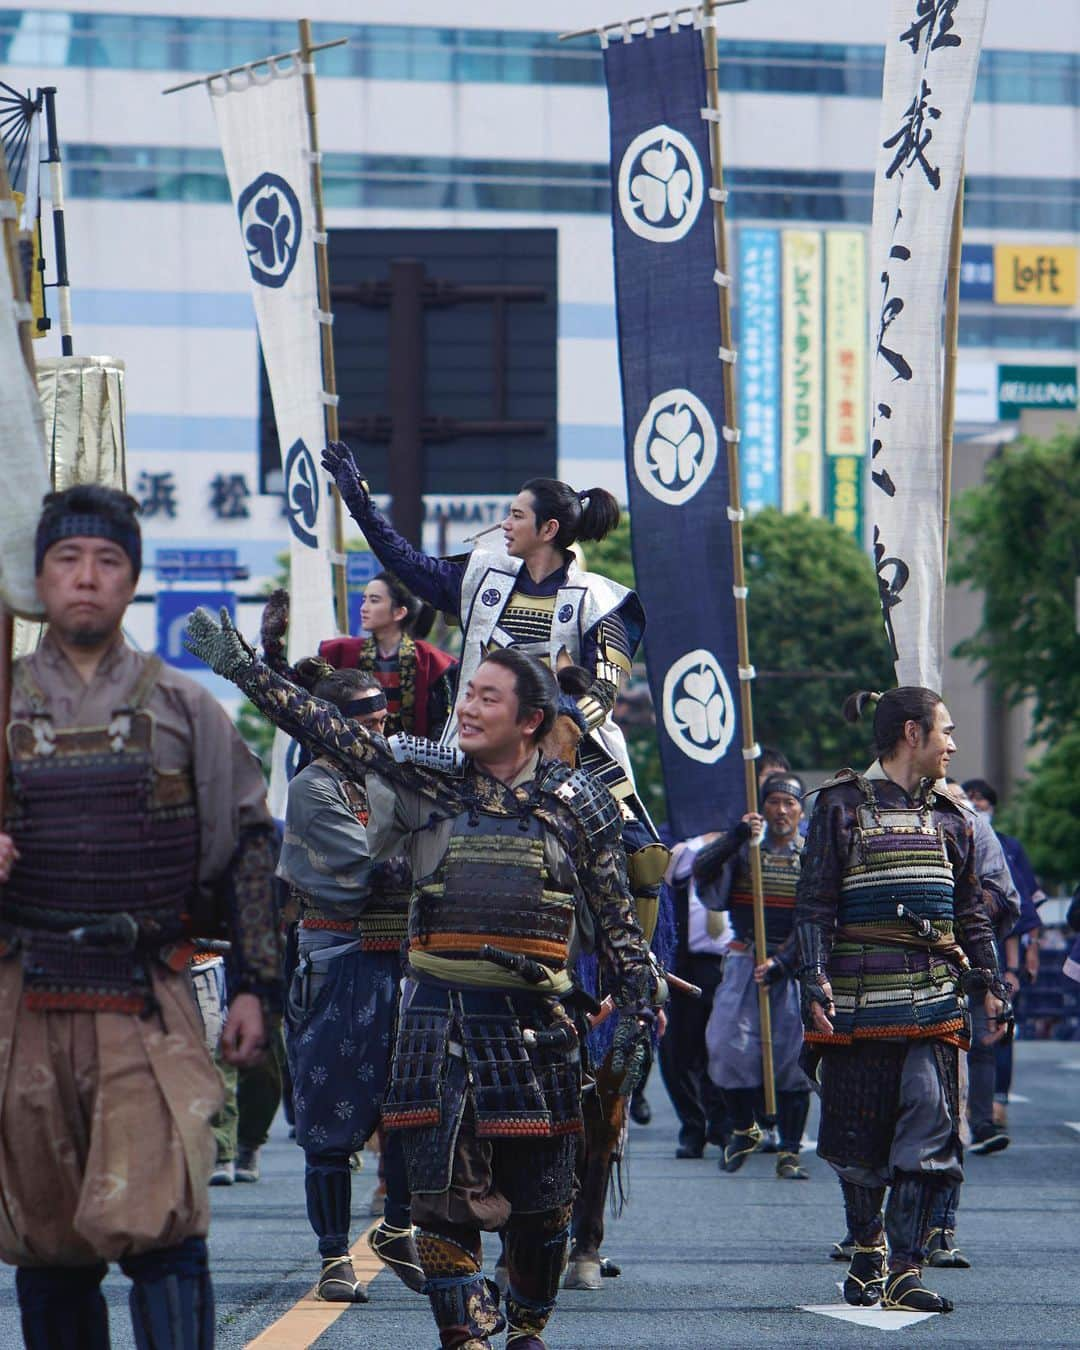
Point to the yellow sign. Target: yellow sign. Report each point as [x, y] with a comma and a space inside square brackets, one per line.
[1029, 274]
[801, 371]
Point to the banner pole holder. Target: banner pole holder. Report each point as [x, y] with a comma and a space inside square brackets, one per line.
[718, 196]
[251, 65]
[948, 389]
[326, 331]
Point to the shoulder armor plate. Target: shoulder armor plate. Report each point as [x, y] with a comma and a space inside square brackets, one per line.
[843, 776]
[427, 754]
[591, 804]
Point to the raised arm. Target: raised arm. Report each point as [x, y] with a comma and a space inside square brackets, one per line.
[432, 579]
[309, 720]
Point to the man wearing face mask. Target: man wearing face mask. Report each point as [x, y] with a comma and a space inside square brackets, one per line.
[733, 1035]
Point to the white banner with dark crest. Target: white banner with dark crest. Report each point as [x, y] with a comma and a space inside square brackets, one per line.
[931, 60]
[264, 137]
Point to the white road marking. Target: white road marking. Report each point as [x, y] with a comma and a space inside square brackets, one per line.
[1073, 1125]
[868, 1317]
[1016, 1097]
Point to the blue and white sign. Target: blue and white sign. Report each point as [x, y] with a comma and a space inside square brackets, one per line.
[977, 272]
[173, 610]
[673, 414]
[758, 369]
[194, 564]
[360, 568]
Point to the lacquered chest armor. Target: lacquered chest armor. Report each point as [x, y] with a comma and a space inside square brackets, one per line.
[108, 848]
[779, 876]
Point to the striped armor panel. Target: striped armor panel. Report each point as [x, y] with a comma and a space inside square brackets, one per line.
[492, 887]
[779, 875]
[891, 988]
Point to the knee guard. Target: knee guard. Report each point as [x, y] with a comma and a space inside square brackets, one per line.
[862, 1209]
[172, 1300]
[526, 1320]
[62, 1307]
[328, 1188]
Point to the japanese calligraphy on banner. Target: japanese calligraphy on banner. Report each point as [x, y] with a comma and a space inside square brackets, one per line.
[264, 139]
[931, 58]
[758, 369]
[802, 371]
[845, 376]
[674, 416]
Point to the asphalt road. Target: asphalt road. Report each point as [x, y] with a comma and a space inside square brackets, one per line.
[709, 1260]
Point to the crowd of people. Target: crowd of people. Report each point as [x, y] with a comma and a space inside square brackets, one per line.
[451, 946]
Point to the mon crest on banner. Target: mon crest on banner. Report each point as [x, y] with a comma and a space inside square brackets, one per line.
[673, 414]
[263, 126]
[931, 60]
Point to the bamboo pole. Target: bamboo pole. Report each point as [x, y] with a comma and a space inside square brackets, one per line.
[948, 392]
[322, 267]
[712, 62]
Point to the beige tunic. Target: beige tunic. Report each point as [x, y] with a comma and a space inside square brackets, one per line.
[105, 1141]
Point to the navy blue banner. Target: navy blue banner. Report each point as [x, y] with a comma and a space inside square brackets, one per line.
[673, 412]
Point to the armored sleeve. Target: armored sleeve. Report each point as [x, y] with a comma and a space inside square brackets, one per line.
[620, 943]
[607, 658]
[435, 580]
[322, 728]
[973, 928]
[247, 893]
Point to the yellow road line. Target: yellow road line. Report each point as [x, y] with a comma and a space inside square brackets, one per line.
[307, 1319]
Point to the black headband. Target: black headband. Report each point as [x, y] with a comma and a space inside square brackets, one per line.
[52, 529]
[369, 703]
[782, 782]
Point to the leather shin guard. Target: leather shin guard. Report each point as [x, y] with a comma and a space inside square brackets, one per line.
[328, 1187]
[464, 1305]
[907, 1218]
[862, 1209]
[792, 1108]
[62, 1307]
[739, 1106]
[535, 1247]
[172, 1300]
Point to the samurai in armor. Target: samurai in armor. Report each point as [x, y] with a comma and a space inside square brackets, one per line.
[733, 1034]
[892, 935]
[533, 596]
[516, 862]
[343, 998]
[136, 822]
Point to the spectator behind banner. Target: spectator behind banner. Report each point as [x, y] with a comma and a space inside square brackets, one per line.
[1022, 945]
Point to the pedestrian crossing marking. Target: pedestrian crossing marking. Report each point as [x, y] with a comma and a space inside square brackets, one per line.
[307, 1319]
[877, 1318]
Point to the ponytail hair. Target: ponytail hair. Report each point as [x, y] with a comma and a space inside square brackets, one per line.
[591, 514]
[418, 616]
[892, 711]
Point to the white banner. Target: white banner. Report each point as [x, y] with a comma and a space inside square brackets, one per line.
[264, 138]
[22, 452]
[931, 59]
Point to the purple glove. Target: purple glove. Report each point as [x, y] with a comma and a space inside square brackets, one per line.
[337, 460]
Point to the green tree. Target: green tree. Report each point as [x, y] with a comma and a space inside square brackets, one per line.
[1017, 538]
[815, 632]
[1044, 811]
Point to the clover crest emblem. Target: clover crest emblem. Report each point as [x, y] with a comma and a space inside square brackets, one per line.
[698, 709]
[271, 225]
[661, 186]
[675, 447]
[302, 493]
